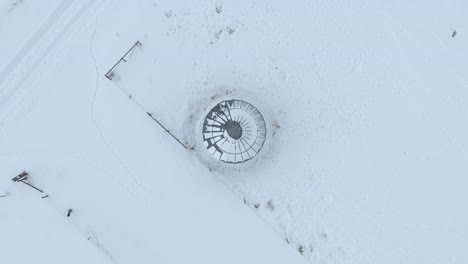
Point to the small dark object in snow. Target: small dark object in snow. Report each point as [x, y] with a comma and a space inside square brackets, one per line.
[301, 249]
[454, 33]
[219, 7]
[69, 212]
[218, 33]
[230, 30]
[129, 96]
[111, 75]
[257, 205]
[270, 205]
[45, 196]
[275, 124]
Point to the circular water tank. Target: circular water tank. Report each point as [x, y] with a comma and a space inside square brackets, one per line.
[234, 131]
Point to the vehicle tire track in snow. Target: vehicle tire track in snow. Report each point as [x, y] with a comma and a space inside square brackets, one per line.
[33, 41]
[42, 49]
[136, 180]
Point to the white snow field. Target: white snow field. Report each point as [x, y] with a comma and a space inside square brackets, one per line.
[365, 160]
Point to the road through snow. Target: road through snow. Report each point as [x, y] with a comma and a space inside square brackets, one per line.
[43, 47]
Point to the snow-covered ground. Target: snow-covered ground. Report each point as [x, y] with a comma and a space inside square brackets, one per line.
[366, 155]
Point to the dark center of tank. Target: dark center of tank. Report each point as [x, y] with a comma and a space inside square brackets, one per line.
[234, 129]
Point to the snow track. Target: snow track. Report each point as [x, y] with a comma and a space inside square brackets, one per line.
[43, 48]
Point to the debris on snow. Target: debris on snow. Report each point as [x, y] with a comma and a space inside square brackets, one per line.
[324, 235]
[219, 7]
[230, 30]
[218, 33]
[168, 14]
[301, 249]
[270, 205]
